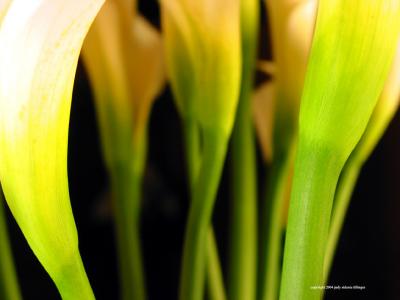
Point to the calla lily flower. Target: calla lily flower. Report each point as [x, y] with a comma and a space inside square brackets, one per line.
[203, 56]
[41, 41]
[3, 8]
[202, 44]
[124, 59]
[353, 48]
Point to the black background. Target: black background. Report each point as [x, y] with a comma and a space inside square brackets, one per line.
[369, 249]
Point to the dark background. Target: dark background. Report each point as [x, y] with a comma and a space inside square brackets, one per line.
[369, 249]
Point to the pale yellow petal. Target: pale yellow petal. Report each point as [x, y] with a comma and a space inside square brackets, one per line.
[42, 41]
[147, 76]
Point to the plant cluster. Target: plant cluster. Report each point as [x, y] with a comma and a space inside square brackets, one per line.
[334, 87]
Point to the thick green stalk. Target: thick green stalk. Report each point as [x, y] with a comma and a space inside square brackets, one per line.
[126, 179]
[243, 237]
[271, 255]
[205, 190]
[317, 170]
[9, 287]
[345, 188]
[215, 282]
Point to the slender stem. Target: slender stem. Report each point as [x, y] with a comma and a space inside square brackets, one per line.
[73, 282]
[200, 213]
[316, 174]
[215, 283]
[9, 287]
[271, 255]
[126, 185]
[243, 238]
[344, 191]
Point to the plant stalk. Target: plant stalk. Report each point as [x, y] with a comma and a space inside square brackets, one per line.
[204, 194]
[9, 286]
[214, 278]
[126, 179]
[272, 229]
[243, 238]
[316, 174]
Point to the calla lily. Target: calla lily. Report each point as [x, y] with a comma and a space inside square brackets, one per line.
[352, 50]
[3, 8]
[124, 59]
[203, 58]
[204, 68]
[37, 66]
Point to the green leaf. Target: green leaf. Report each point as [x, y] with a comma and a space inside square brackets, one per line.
[40, 44]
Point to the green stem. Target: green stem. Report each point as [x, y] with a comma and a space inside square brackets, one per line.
[273, 226]
[243, 238]
[215, 283]
[206, 187]
[316, 174]
[346, 185]
[73, 282]
[126, 184]
[9, 287]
